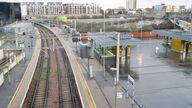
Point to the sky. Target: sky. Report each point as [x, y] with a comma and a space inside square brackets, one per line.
[117, 3]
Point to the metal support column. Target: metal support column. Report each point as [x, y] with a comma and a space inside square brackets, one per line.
[186, 50]
[53, 45]
[117, 65]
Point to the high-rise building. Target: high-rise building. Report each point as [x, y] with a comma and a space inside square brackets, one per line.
[131, 5]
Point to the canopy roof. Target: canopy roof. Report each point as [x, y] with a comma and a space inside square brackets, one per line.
[110, 39]
[180, 34]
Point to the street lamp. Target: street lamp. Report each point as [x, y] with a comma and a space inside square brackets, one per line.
[104, 20]
[117, 68]
[91, 10]
[191, 18]
[141, 23]
[117, 59]
[117, 65]
[75, 22]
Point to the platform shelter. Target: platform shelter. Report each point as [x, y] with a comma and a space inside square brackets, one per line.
[179, 40]
[105, 45]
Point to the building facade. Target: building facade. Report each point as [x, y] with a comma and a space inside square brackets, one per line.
[57, 8]
[131, 5]
[9, 12]
[160, 7]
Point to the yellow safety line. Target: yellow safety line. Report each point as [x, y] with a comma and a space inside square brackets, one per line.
[92, 104]
[17, 89]
[9, 106]
[85, 84]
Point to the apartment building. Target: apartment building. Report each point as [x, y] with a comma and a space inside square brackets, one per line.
[57, 8]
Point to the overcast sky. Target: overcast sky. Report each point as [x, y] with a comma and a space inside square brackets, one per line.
[117, 3]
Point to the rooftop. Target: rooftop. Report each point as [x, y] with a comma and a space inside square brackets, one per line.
[110, 39]
[180, 34]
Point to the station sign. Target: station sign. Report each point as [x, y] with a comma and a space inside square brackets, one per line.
[119, 95]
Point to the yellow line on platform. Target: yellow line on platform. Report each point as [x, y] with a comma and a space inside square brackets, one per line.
[12, 103]
[83, 82]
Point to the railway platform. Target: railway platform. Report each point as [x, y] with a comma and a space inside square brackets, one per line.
[21, 91]
[102, 89]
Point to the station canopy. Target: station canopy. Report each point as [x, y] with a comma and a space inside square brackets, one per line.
[180, 34]
[110, 39]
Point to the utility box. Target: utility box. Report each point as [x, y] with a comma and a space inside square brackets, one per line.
[85, 50]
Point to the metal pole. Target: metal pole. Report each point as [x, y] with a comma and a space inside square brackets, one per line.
[117, 68]
[88, 66]
[191, 18]
[91, 19]
[53, 44]
[116, 93]
[104, 73]
[117, 65]
[104, 22]
[75, 26]
[16, 42]
[9, 79]
[141, 24]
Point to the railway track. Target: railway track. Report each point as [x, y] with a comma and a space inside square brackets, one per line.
[53, 84]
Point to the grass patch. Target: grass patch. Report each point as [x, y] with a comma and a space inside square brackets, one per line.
[43, 75]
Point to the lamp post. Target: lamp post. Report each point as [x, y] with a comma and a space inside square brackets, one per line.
[91, 10]
[104, 73]
[75, 25]
[141, 23]
[117, 65]
[117, 68]
[104, 20]
[190, 26]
